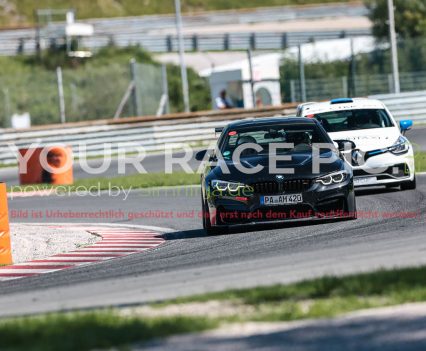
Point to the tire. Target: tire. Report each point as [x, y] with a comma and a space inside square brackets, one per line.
[204, 214]
[354, 216]
[354, 213]
[410, 185]
[206, 220]
[212, 231]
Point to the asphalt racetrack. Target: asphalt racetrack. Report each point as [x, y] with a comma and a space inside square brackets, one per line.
[190, 262]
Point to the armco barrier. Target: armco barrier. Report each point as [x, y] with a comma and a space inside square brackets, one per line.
[130, 134]
[406, 105]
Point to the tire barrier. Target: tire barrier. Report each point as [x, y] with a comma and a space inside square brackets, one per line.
[46, 165]
[5, 246]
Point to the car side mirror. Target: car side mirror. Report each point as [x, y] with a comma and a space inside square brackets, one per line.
[200, 155]
[405, 125]
[345, 145]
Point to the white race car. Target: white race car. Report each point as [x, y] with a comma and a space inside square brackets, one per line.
[381, 153]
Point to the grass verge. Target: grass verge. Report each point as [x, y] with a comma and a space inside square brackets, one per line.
[317, 298]
[86, 331]
[420, 158]
[136, 181]
[325, 297]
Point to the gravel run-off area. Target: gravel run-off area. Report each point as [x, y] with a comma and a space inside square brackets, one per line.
[36, 241]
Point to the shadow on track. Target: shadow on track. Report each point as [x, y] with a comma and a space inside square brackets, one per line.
[376, 191]
[371, 332]
[185, 234]
[200, 233]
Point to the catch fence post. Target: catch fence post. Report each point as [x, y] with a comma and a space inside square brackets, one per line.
[61, 94]
[137, 108]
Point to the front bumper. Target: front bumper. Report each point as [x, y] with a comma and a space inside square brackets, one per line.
[319, 202]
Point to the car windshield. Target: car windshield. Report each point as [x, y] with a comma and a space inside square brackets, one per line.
[342, 121]
[301, 136]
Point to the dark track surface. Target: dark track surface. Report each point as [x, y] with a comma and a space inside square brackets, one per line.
[192, 263]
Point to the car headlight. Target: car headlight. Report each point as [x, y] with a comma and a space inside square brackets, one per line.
[222, 185]
[333, 178]
[400, 147]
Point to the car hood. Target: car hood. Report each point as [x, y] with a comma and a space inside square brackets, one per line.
[370, 139]
[301, 163]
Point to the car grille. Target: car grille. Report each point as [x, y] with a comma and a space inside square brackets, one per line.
[297, 185]
[268, 188]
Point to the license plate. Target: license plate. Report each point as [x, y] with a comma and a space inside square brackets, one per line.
[281, 200]
[361, 181]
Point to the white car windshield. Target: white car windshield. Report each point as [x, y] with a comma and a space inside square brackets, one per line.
[342, 121]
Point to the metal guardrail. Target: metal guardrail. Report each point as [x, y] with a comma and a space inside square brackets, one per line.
[206, 42]
[126, 31]
[244, 41]
[130, 134]
[406, 105]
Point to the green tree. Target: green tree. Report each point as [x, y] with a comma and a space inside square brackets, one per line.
[199, 90]
[410, 18]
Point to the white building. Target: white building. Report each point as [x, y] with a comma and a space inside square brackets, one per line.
[235, 79]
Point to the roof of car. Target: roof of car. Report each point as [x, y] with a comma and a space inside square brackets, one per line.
[270, 120]
[341, 104]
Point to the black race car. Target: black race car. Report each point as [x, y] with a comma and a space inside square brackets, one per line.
[274, 169]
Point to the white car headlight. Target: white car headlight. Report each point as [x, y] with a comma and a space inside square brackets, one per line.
[333, 178]
[401, 146]
[222, 185]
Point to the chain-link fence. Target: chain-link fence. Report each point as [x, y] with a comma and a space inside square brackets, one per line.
[363, 85]
[364, 71]
[33, 91]
[93, 93]
[151, 90]
[89, 93]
